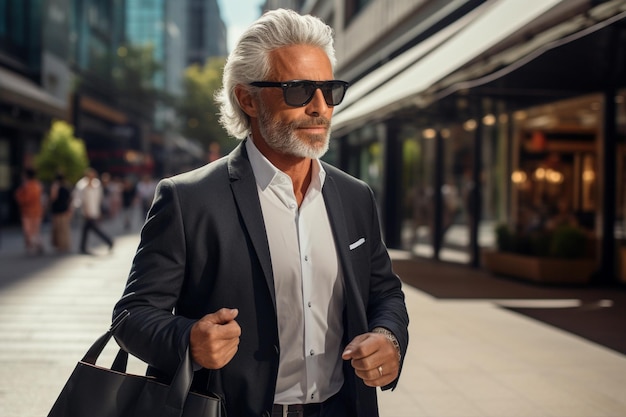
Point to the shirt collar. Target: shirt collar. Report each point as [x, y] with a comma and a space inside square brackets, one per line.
[265, 171]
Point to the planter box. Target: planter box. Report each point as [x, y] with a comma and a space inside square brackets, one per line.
[539, 269]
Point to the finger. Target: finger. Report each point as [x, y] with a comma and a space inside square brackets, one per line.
[222, 316]
[220, 324]
[379, 376]
[355, 349]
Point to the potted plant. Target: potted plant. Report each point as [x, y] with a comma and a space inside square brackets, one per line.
[549, 256]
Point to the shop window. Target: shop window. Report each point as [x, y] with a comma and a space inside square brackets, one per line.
[620, 212]
[418, 174]
[352, 8]
[556, 182]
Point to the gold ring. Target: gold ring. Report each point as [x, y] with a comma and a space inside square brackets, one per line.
[380, 370]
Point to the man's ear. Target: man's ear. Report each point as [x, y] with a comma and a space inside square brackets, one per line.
[246, 101]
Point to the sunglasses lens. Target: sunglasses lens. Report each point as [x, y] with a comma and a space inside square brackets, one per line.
[299, 93]
[333, 92]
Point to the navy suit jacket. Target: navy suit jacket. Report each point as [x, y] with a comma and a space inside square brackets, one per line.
[204, 247]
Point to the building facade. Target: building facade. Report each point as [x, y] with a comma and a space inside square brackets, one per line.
[205, 32]
[81, 61]
[30, 90]
[464, 115]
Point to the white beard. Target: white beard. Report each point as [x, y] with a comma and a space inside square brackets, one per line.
[284, 139]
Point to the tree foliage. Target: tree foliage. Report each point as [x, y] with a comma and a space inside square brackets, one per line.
[198, 111]
[136, 76]
[62, 152]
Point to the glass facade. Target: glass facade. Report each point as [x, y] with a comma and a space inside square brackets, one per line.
[440, 184]
[20, 31]
[418, 171]
[620, 218]
[365, 159]
[145, 26]
[353, 7]
[93, 37]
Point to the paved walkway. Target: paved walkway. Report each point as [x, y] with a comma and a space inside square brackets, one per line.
[472, 358]
[467, 357]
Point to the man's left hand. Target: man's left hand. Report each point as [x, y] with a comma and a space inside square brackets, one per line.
[374, 359]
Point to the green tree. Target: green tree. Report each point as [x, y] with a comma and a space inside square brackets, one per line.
[198, 110]
[62, 152]
[138, 78]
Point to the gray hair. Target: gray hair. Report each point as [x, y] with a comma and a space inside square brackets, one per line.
[249, 61]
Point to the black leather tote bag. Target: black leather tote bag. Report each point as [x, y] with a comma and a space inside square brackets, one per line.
[94, 391]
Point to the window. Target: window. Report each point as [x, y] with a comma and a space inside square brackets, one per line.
[353, 8]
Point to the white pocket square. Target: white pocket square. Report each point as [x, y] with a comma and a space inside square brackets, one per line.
[356, 244]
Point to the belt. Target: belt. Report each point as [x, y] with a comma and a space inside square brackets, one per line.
[296, 410]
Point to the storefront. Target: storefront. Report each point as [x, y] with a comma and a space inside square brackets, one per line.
[530, 128]
[26, 110]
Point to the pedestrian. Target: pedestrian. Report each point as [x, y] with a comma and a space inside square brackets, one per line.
[105, 206]
[29, 197]
[145, 192]
[129, 197]
[89, 196]
[115, 196]
[61, 213]
[268, 264]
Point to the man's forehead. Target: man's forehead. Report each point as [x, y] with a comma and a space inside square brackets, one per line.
[300, 62]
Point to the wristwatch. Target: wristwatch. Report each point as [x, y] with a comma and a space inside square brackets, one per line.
[391, 337]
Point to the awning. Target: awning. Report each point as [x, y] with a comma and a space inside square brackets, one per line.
[383, 74]
[21, 91]
[496, 21]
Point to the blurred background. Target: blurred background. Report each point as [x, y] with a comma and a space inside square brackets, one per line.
[482, 126]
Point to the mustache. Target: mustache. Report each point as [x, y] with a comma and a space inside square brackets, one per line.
[315, 122]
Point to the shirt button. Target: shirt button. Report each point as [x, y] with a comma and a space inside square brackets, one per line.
[306, 258]
[309, 304]
[312, 396]
[312, 352]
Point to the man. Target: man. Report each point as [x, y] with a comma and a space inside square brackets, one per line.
[89, 197]
[270, 260]
[61, 211]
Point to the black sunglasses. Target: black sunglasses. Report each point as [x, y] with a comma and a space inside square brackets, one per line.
[298, 93]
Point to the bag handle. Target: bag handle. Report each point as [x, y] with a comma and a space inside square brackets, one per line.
[179, 388]
[98, 346]
[181, 382]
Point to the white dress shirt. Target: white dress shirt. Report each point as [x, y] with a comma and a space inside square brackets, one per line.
[90, 195]
[308, 284]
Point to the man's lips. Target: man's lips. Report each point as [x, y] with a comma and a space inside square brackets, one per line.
[314, 129]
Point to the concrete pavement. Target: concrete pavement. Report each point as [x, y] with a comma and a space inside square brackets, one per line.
[466, 358]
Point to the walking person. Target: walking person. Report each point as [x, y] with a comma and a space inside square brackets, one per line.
[105, 206]
[29, 198]
[89, 195]
[268, 264]
[145, 192]
[61, 212]
[129, 197]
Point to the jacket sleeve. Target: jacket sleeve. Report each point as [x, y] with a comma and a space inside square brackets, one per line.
[152, 332]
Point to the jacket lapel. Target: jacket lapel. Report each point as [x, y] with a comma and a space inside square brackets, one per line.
[243, 184]
[335, 209]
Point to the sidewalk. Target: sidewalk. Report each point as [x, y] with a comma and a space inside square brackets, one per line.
[471, 356]
[468, 355]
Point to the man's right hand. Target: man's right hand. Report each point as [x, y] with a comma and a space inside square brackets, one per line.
[214, 338]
